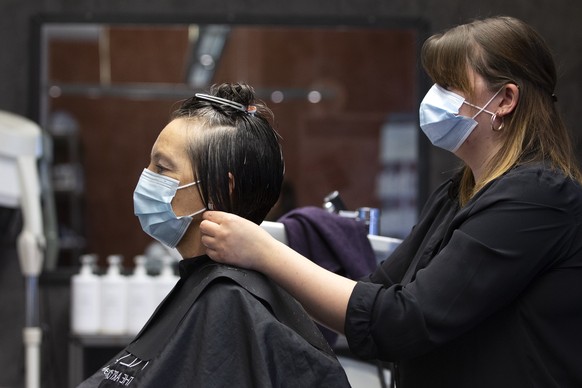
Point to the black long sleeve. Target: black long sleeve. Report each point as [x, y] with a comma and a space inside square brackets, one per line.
[486, 295]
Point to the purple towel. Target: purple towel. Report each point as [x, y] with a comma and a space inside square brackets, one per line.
[336, 243]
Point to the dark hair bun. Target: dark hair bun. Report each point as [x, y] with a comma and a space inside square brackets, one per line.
[237, 92]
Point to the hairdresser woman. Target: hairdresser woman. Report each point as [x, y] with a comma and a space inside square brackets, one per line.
[486, 291]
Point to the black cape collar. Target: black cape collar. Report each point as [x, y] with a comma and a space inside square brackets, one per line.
[188, 266]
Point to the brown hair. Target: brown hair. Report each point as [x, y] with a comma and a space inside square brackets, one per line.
[506, 50]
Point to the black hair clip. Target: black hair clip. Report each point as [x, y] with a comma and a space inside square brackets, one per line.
[554, 97]
[251, 109]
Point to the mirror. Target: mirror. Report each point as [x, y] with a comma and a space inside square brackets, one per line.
[345, 99]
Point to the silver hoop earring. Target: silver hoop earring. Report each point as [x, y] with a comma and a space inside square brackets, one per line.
[493, 118]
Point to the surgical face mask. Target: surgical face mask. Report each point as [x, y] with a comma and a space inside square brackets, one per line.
[440, 120]
[152, 203]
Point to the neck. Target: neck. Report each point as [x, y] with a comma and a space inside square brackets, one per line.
[191, 243]
[477, 166]
[477, 156]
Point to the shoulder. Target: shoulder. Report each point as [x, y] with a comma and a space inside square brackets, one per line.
[233, 295]
[535, 183]
[229, 320]
[539, 174]
[225, 310]
[224, 291]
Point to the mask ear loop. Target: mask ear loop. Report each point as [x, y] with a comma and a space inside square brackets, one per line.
[188, 185]
[207, 206]
[484, 108]
[493, 118]
[195, 183]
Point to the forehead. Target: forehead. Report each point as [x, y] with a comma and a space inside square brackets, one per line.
[172, 142]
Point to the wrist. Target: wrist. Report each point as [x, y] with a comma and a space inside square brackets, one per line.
[268, 250]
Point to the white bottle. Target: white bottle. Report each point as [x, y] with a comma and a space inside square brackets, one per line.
[114, 299]
[166, 280]
[141, 300]
[85, 298]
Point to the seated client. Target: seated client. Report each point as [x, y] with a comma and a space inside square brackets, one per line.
[220, 326]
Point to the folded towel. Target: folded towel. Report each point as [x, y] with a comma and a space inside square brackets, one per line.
[338, 244]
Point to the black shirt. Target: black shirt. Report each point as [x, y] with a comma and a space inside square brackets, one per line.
[487, 295]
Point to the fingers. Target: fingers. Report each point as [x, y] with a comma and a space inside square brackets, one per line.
[211, 244]
[211, 222]
[209, 229]
[214, 216]
[222, 234]
[212, 253]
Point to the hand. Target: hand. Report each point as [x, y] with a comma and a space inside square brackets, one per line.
[233, 240]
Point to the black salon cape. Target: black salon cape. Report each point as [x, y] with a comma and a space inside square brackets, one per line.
[487, 295]
[227, 337]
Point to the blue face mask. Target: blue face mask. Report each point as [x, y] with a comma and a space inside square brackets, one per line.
[440, 120]
[152, 203]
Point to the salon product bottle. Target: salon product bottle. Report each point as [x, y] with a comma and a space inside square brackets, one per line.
[166, 280]
[141, 300]
[114, 298]
[85, 298]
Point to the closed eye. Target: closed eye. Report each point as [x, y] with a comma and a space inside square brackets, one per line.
[161, 163]
[160, 169]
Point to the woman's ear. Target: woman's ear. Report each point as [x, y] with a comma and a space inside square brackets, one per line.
[230, 183]
[510, 94]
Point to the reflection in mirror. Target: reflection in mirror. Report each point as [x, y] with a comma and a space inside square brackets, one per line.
[344, 99]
